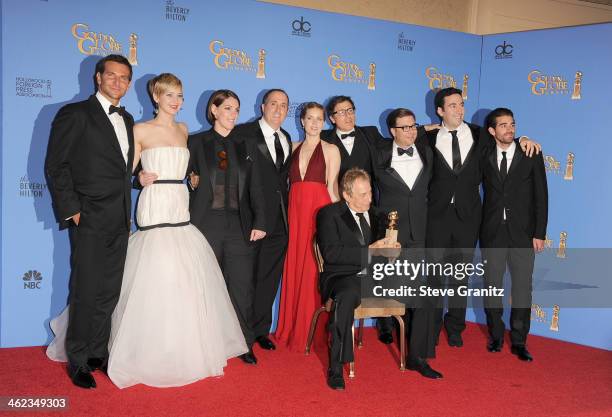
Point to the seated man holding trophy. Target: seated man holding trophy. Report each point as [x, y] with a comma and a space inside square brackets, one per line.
[402, 175]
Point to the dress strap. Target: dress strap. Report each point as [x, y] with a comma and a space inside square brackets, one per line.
[168, 182]
[154, 226]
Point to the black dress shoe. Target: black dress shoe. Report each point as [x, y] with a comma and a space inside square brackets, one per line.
[96, 363]
[335, 379]
[386, 338]
[265, 343]
[249, 357]
[422, 367]
[522, 353]
[495, 345]
[81, 376]
[455, 340]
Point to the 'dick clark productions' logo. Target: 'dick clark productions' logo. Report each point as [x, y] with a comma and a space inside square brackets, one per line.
[301, 27]
[405, 44]
[33, 87]
[545, 84]
[32, 280]
[90, 42]
[226, 58]
[504, 51]
[351, 73]
[174, 12]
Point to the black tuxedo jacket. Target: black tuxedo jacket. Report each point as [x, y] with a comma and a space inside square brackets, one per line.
[341, 242]
[395, 195]
[363, 154]
[275, 187]
[464, 185]
[524, 194]
[86, 170]
[203, 162]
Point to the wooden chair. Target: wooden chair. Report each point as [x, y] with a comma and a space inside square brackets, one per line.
[369, 307]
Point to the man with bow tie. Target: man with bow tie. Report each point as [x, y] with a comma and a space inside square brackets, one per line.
[89, 167]
[402, 176]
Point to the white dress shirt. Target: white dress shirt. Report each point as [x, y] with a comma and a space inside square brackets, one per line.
[509, 156]
[268, 133]
[347, 142]
[118, 125]
[408, 167]
[444, 143]
[365, 214]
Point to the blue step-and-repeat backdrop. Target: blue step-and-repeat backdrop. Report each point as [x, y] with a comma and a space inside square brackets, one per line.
[50, 47]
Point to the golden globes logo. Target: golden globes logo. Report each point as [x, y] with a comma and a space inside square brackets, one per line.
[235, 59]
[542, 84]
[344, 71]
[99, 43]
[551, 164]
[438, 80]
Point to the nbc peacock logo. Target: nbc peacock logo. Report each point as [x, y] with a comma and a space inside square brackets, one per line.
[32, 280]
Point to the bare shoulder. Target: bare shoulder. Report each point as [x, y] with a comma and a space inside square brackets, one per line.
[294, 145]
[183, 127]
[330, 149]
[141, 130]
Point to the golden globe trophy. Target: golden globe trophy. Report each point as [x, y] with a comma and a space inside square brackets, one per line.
[391, 233]
[464, 91]
[577, 86]
[372, 77]
[569, 167]
[562, 245]
[261, 64]
[133, 55]
[554, 322]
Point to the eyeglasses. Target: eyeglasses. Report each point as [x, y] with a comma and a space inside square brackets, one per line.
[222, 155]
[344, 112]
[408, 128]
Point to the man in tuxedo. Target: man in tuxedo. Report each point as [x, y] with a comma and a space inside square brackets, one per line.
[454, 205]
[515, 215]
[402, 177]
[344, 231]
[273, 154]
[89, 168]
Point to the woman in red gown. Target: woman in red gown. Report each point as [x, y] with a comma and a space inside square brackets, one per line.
[313, 178]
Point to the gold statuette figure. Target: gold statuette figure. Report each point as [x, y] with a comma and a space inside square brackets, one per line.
[133, 56]
[391, 233]
[261, 64]
[554, 322]
[577, 86]
[562, 245]
[569, 167]
[464, 91]
[372, 77]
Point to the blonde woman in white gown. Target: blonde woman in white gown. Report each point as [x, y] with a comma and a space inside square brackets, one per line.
[174, 323]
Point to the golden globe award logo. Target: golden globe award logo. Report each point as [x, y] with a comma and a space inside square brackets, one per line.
[349, 72]
[99, 43]
[543, 84]
[236, 59]
[438, 80]
[551, 164]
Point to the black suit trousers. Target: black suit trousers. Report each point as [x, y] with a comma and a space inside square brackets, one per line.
[520, 262]
[346, 293]
[268, 272]
[236, 258]
[97, 262]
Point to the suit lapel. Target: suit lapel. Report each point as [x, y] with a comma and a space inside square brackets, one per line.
[516, 159]
[211, 160]
[238, 154]
[105, 124]
[374, 224]
[261, 143]
[129, 126]
[387, 158]
[493, 162]
[350, 222]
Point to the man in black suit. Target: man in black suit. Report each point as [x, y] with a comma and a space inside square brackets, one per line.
[515, 215]
[273, 154]
[402, 177]
[454, 206]
[227, 206]
[89, 167]
[357, 145]
[344, 230]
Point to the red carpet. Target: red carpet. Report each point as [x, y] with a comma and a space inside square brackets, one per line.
[564, 380]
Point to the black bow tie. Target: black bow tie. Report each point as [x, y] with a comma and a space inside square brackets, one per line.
[347, 135]
[114, 109]
[401, 151]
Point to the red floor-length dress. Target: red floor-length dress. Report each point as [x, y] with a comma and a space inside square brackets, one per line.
[299, 292]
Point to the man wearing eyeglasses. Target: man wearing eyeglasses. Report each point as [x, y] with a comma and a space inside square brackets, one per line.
[402, 176]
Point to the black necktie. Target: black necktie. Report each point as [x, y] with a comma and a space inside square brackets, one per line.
[114, 109]
[347, 135]
[456, 151]
[365, 229]
[503, 166]
[280, 155]
[401, 151]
